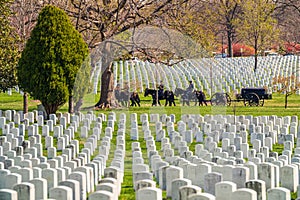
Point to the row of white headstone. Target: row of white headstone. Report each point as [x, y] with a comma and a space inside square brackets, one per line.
[25, 173]
[206, 73]
[208, 172]
[220, 172]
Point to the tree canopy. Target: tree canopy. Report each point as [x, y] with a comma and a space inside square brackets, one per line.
[9, 53]
[258, 27]
[209, 23]
[51, 58]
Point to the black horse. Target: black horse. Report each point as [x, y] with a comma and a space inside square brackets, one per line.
[122, 97]
[135, 99]
[167, 95]
[170, 98]
[155, 98]
[186, 97]
[201, 98]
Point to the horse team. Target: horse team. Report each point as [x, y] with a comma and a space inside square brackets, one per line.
[124, 97]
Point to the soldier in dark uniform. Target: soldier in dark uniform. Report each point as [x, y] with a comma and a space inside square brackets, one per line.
[135, 99]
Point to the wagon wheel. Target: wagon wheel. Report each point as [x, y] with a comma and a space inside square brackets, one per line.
[261, 102]
[214, 100]
[220, 99]
[251, 99]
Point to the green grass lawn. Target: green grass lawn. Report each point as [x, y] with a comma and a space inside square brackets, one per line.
[274, 106]
[271, 107]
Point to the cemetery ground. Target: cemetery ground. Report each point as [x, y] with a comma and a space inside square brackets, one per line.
[275, 106]
[271, 107]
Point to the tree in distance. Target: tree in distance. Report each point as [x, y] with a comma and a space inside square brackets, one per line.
[9, 53]
[286, 85]
[51, 58]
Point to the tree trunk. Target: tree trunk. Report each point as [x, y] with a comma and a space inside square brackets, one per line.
[78, 105]
[286, 100]
[255, 62]
[107, 97]
[229, 41]
[71, 104]
[25, 102]
[51, 108]
[255, 56]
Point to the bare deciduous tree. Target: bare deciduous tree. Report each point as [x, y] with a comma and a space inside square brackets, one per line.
[258, 26]
[286, 85]
[23, 20]
[99, 21]
[287, 13]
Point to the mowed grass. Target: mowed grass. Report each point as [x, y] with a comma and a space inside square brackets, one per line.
[271, 107]
[274, 106]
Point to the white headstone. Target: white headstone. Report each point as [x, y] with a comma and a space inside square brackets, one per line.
[51, 176]
[81, 178]
[266, 172]
[83, 132]
[201, 196]
[8, 194]
[41, 190]
[172, 173]
[176, 184]
[108, 187]
[149, 193]
[244, 194]
[210, 179]
[145, 183]
[187, 190]
[26, 191]
[103, 195]
[61, 193]
[12, 179]
[289, 177]
[74, 185]
[259, 187]
[279, 193]
[224, 190]
[240, 175]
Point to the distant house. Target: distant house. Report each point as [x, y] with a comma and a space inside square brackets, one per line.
[271, 53]
[220, 55]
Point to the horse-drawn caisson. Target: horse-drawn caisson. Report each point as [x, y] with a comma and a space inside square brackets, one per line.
[250, 97]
